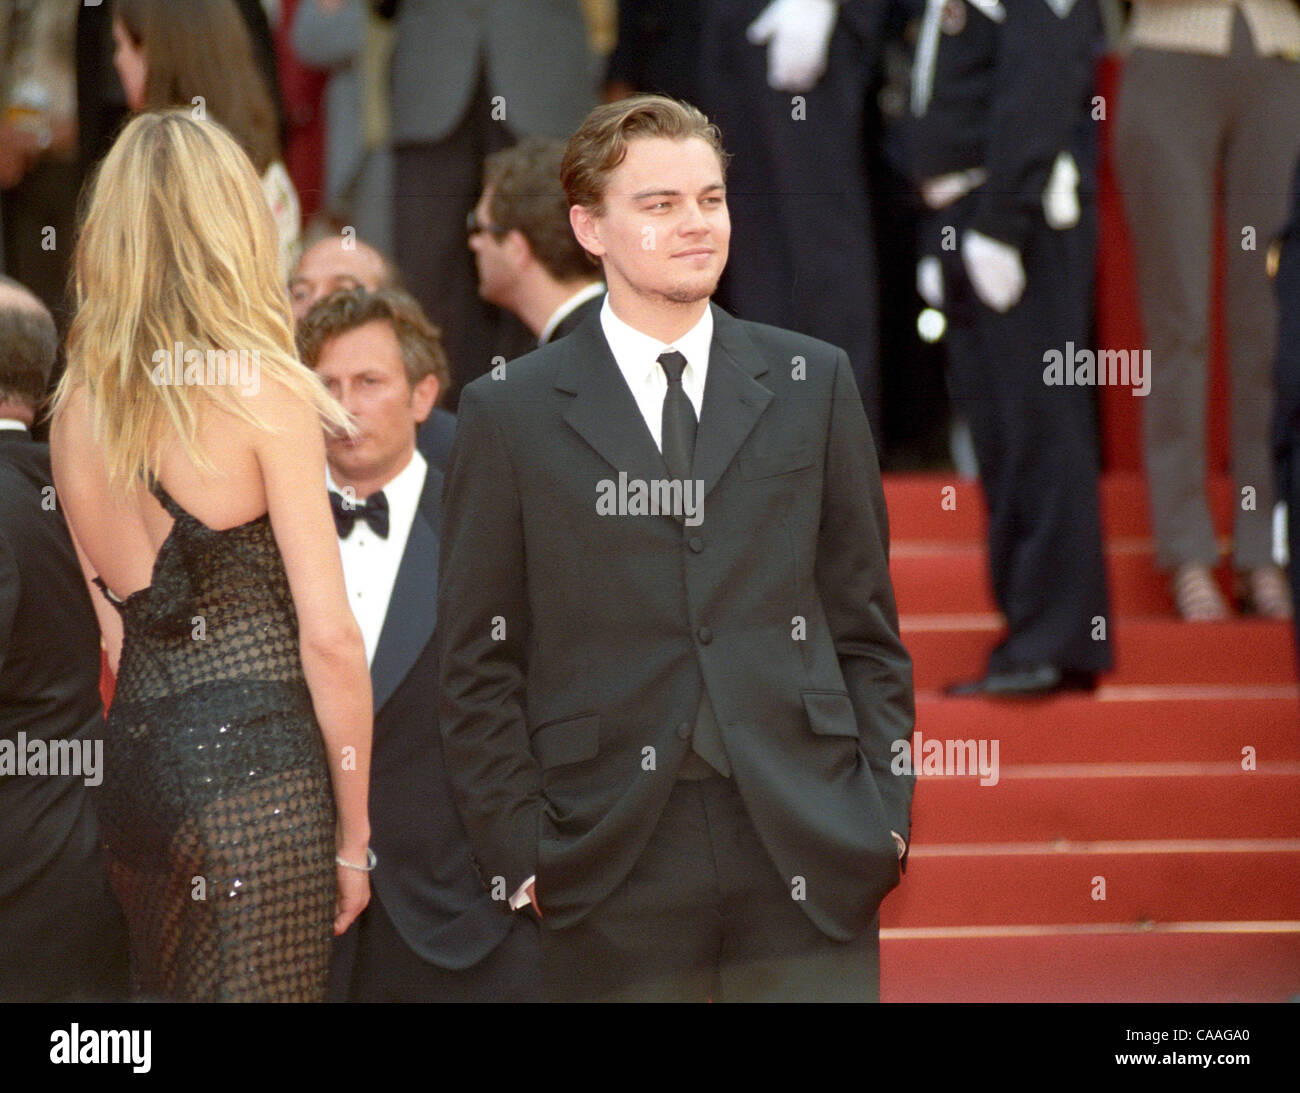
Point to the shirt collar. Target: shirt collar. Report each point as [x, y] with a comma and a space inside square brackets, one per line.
[637, 354]
[587, 292]
[402, 490]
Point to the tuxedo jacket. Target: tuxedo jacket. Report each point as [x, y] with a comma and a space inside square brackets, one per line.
[575, 646]
[425, 877]
[62, 936]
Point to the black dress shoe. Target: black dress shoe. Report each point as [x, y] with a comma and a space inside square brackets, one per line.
[1032, 682]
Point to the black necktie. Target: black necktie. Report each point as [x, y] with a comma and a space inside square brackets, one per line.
[374, 511]
[678, 418]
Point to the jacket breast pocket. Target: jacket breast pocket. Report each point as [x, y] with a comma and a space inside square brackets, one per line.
[769, 464]
[830, 713]
[572, 740]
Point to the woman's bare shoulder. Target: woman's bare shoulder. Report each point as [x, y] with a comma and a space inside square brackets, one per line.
[280, 407]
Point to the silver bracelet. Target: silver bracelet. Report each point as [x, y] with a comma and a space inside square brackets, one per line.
[371, 861]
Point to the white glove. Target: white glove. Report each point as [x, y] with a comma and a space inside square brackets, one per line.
[994, 270]
[797, 34]
[929, 281]
[1061, 197]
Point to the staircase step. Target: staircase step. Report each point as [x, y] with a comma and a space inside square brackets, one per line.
[1126, 724]
[995, 884]
[1146, 651]
[917, 511]
[1082, 802]
[1179, 962]
[944, 578]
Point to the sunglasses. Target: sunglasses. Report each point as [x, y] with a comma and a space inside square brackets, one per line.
[473, 225]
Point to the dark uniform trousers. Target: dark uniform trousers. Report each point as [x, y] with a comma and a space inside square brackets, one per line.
[1036, 446]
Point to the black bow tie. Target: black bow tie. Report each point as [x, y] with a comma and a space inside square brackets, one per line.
[373, 510]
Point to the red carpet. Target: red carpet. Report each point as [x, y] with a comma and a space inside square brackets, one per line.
[1140, 844]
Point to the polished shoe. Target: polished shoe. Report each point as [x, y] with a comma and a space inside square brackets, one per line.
[1032, 682]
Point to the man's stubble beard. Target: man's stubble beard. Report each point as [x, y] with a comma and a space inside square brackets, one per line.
[684, 295]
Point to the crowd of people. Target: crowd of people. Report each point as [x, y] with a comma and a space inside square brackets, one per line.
[444, 709]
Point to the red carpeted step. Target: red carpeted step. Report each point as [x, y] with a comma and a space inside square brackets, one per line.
[944, 578]
[1155, 725]
[1091, 802]
[1147, 651]
[1161, 881]
[944, 508]
[1188, 962]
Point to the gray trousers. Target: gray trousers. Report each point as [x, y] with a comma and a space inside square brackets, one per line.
[1188, 124]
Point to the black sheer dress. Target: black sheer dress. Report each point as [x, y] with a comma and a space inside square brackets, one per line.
[217, 813]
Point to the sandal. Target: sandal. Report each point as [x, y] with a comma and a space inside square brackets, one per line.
[1196, 594]
[1264, 593]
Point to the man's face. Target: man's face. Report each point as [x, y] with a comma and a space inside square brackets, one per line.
[491, 254]
[330, 266]
[363, 369]
[665, 231]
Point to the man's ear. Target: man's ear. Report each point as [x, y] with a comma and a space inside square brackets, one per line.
[519, 251]
[584, 230]
[423, 397]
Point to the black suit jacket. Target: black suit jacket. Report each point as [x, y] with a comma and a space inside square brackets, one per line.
[425, 879]
[576, 318]
[61, 933]
[574, 646]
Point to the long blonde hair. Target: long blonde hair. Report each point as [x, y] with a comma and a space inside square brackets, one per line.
[177, 246]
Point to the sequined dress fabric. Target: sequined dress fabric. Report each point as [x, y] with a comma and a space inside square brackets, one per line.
[217, 813]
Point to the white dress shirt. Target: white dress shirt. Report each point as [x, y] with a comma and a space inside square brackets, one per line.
[370, 563]
[637, 356]
[587, 292]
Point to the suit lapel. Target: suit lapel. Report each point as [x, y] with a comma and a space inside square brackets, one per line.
[603, 411]
[413, 606]
[734, 400]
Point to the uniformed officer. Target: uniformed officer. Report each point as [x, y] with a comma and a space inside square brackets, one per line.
[1001, 105]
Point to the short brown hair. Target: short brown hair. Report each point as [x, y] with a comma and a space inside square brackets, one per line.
[600, 143]
[526, 196]
[418, 339]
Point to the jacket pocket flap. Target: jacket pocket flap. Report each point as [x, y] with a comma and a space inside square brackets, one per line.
[830, 713]
[569, 741]
[783, 461]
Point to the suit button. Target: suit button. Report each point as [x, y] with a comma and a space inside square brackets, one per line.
[704, 634]
[684, 730]
[695, 543]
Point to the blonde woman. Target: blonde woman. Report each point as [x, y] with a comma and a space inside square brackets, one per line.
[189, 457]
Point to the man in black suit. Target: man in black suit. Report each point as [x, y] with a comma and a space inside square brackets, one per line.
[62, 937]
[1001, 150]
[338, 262]
[431, 932]
[672, 682]
[528, 260]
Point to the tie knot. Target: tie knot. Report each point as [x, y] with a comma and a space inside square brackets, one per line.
[674, 364]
